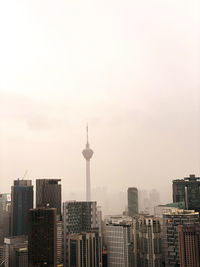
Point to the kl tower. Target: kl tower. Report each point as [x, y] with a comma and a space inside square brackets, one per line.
[87, 154]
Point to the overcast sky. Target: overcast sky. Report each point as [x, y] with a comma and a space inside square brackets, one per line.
[131, 69]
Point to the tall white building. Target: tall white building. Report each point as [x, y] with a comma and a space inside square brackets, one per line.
[118, 232]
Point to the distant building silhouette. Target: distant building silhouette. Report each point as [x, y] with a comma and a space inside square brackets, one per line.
[132, 201]
[21, 202]
[48, 192]
[42, 237]
[187, 190]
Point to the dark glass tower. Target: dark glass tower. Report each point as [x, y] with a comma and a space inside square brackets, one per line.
[132, 201]
[48, 192]
[21, 202]
[187, 190]
[42, 237]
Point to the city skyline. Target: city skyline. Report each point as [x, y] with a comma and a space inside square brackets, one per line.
[132, 74]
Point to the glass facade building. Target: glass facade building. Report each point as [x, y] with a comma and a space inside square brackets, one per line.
[21, 202]
[48, 193]
[187, 190]
[42, 237]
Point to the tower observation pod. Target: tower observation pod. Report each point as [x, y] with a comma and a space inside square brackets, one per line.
[87, 154]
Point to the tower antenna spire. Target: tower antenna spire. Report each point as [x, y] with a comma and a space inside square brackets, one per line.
[87, 133]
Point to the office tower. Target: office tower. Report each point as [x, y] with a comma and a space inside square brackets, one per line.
[87, 154]
[187, 190]
[16, 251]
[147, 241]
[171, 220]
[119, 241]
[21, 202]
[82, 250]
[48, 192]
[189, 245]
[132, 201]
[42, 237]
[5, 216]
[79, 217]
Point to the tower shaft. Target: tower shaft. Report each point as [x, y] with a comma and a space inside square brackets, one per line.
[88, 185]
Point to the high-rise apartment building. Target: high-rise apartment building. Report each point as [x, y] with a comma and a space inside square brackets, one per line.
[21, 202]
[147, 241]
[42, 237]
[48, 192]
[118, 235]
[132, 201]
[16, 251]
[187, 190]
[189, 245]
[171, 221]
[79, 217]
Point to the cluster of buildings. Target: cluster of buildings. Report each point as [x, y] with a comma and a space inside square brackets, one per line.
[73, 233]
[50, 234]
[169, 237]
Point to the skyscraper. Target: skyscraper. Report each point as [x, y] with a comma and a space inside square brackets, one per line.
[147, 245]
[119, 237]
[171, 220]
[42, 237]
[189, 245]
[187, 190]
[80, 217]
[87, 154]
[48, 192]
[21, 202]
[132, 201]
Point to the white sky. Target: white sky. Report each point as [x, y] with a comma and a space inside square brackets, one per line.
[131, 69]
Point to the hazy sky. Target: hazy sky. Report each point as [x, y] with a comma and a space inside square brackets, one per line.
[131, 69]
